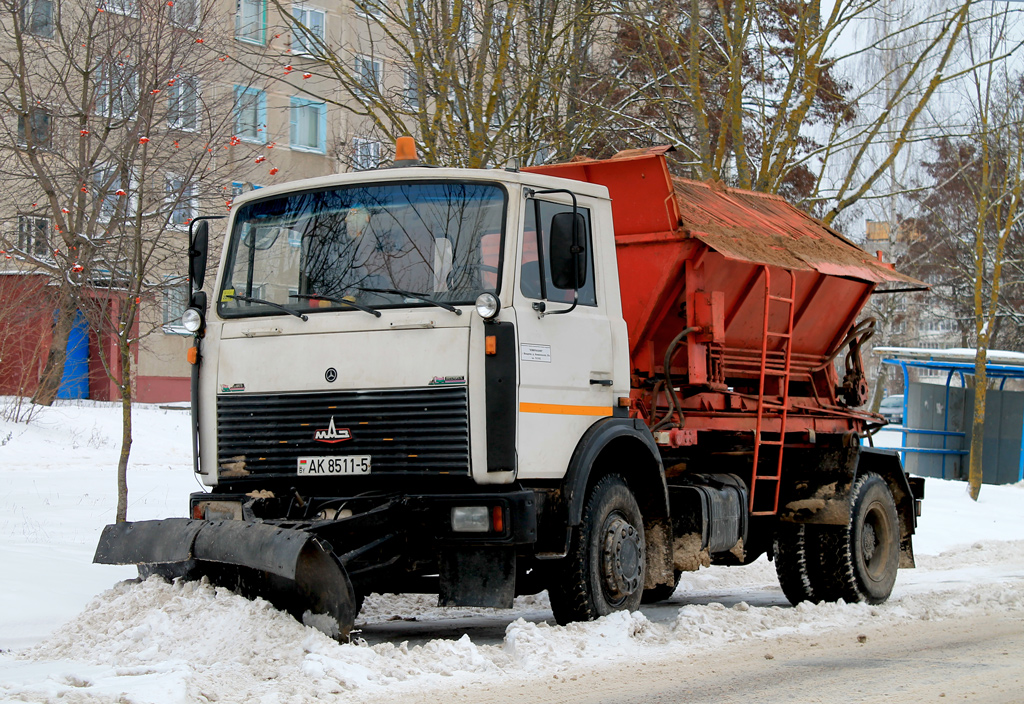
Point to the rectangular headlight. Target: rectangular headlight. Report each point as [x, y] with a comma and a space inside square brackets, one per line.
[221, 510]
[471, 519]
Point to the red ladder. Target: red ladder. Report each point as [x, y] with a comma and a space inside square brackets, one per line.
[767, 474]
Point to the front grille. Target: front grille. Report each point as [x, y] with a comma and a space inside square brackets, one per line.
[413, 431]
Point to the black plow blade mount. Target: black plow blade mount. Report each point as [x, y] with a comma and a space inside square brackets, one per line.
[292, 569]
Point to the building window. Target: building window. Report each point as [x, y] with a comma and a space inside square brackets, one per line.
[118, 90]
[368, 74]
[412, 90]
[251, 20]
[238, 188]
[39, 134]
[175, 295]
[308, 22]
[182, 201]
[542, 155]
[183, 104]
[32, 235]
[365, 154]
[37, 17]
[372, 9]
[309, 125]
[250, 114]
[110, 190]
[121, 7]
[185, 13]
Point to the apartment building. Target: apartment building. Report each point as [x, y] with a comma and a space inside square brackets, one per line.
[252, 79]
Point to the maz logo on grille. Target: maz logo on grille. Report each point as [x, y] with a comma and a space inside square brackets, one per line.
[332, 434]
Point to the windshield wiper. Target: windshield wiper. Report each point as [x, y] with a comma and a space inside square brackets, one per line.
[340, 301]
[280, 307]
[412, 294]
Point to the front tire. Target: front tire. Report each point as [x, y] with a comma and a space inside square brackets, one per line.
[604, 570]
[860, 559]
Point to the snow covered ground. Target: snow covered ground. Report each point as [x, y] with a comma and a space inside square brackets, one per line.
[71, 631]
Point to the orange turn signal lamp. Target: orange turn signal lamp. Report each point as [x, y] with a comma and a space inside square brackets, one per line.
[193, 355]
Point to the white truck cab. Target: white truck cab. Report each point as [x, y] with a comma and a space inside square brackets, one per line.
[364, 287]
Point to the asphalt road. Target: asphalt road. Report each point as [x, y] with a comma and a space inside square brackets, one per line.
[977, 660]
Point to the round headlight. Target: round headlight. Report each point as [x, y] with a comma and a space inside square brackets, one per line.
[192, 319]
[487, 305]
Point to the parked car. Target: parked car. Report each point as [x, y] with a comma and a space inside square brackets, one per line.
[891, 409]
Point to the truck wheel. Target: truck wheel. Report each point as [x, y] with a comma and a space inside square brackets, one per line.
[660, 592]
[791, 562]
[860, 560]
[604, 570]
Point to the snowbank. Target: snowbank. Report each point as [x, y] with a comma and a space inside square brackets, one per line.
[159, 642]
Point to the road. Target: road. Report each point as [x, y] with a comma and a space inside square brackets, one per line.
[979, 661]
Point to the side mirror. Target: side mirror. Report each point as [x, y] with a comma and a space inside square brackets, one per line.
[197, 255]
[568, 253]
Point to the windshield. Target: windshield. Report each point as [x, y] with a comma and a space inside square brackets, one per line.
[318, 250]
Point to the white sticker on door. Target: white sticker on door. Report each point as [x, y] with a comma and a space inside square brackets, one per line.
[534, 353]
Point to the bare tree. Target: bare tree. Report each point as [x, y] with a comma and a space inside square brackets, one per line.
[997, 190]
[115, 131]
[972, 219]
[765, 96]
[477, 82]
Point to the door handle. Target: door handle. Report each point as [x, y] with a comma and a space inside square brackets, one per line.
[601, 382]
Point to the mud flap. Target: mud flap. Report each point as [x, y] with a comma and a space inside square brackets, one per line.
[292, 569]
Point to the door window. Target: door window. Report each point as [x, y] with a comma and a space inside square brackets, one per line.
[531, 265]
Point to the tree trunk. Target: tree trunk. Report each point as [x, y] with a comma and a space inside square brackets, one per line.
[126, 431]
[978, 425]
[53, 371]
[879, 391]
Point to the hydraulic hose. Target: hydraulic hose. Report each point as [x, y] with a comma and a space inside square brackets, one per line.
[673, 400]
[865, 326]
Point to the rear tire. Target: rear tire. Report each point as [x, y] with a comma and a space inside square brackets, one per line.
[860, 560]
[792, 558]
[604, 570]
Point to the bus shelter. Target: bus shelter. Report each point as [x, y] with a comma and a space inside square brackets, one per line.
[938, 415]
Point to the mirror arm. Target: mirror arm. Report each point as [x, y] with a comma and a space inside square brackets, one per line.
[570, 309]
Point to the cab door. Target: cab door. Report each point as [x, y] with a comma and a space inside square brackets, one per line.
[565, 358]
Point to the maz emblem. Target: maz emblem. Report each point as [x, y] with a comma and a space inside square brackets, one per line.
[332, 434]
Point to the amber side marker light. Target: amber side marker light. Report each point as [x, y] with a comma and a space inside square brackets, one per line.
[193, 355]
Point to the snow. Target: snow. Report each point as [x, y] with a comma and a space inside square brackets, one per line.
[71, 631]
[952, 354]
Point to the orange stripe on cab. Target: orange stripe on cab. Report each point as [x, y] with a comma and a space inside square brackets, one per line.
[559, 409]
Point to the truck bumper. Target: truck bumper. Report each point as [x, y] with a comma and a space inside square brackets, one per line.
[512, 515]
[415, 542]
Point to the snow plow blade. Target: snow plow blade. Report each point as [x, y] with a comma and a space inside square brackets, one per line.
[292, 569]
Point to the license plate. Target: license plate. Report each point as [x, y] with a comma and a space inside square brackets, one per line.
[325, 466]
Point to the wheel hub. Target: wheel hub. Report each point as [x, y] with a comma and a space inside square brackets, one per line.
[868, 542]
[622, 558]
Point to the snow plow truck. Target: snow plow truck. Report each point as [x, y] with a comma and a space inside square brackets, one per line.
[585, 377]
